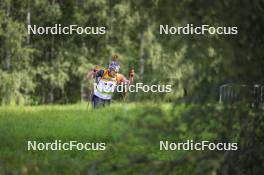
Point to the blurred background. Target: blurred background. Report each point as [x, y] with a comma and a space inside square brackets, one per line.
[50, 69]
[39, 69]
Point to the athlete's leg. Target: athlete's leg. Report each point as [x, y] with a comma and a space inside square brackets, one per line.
[97, 102]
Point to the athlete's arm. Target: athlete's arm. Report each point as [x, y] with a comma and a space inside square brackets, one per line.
[99, 74]
[121, 79]
[131, 77]
[92, 73]
[89, 75]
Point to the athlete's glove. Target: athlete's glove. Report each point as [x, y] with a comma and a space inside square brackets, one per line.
[131, 72]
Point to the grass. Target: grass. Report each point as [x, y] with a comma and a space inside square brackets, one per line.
[48, 123]
[131, 131]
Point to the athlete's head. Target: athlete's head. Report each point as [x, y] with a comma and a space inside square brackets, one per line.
[113, 68]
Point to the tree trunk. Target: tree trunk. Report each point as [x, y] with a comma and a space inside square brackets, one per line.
[51, 95]
[141, 55]
[28, 21]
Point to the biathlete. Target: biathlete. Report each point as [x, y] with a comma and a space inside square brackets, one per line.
[105, 82]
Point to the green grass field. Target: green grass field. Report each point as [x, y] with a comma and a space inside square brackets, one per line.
[48, 123]
[131, 131]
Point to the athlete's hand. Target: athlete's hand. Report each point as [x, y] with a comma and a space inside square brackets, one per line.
[132, 73]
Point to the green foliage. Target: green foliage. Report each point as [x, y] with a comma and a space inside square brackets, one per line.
[190, 63]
